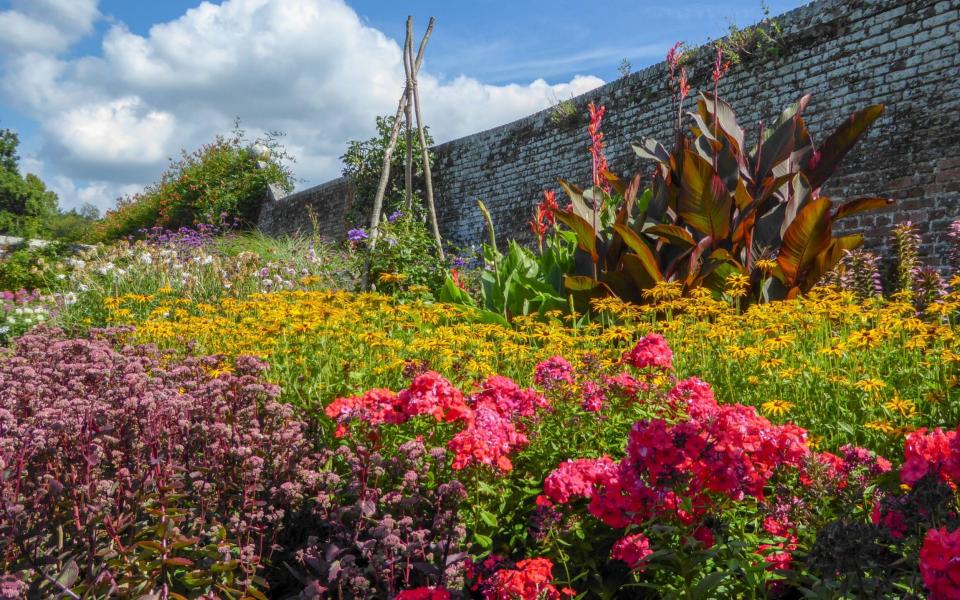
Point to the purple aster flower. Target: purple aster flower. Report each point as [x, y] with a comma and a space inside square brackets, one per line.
[357, 235]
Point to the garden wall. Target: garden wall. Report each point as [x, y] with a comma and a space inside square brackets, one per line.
[847, 53]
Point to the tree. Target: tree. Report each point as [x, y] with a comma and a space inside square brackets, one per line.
[26, 205]
[363, 161]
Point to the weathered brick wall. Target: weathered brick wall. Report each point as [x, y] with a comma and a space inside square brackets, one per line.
[328, 204]
[847, 53]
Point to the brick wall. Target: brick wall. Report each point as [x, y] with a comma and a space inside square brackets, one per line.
[847, 53]
[328, 204]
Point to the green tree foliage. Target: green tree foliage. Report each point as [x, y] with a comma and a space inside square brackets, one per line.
[224, 180]
[363, 163]
[26, 205]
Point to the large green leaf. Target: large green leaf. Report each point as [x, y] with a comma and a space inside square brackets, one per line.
[860, 205]
[704, 202]
[807, 236]
[825, 160]
[642, 250]
[586, 236]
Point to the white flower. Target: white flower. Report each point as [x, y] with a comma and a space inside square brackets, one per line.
[83, 287]
[69, 298]
[4, 329]
[61, 276]
[146, 259]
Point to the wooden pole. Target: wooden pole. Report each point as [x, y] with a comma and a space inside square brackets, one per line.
[408, 111]
[427, 175]
[388, 151]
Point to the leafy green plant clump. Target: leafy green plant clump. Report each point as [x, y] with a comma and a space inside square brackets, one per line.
[225, 180]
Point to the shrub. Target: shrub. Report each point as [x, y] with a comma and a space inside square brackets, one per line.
[225, 179]
[32, 267]
[404, 260]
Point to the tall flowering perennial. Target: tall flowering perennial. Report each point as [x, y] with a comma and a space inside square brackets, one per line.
[858, 272]
[907, 242]
[953, 234]
[543, 216]
[600, 165]
[127, 451]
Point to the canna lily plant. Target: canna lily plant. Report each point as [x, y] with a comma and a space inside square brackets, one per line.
[718, 208]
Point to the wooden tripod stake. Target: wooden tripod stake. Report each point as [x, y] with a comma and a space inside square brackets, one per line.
[409, 103]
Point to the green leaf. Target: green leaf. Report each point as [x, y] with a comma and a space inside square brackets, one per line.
[704, 201]
[578, 283]
[642, 250]
[483, 540]
[488, 518]
[807, 236]
[586, 236]
[825, 160]
[860, 205]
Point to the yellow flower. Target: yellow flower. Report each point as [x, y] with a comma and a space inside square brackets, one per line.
[905, 408]
[871, 385]
[776, 407]
[392, 277]
[766, 265]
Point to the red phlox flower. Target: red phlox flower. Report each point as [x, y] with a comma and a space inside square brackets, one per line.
[431, 394]
[488, 440]
[891, 519]
[592, 396]
[575, 478]
[508, 399]
[376, 406]
[633, 550]
[552, 372]
[927, 452]
[530, 580]
[625, 385]
[424, 593]
[651, 351]
[940, 563]
[704, 535]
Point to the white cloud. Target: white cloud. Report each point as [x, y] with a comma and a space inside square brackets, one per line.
[310, 68]
[46, 25]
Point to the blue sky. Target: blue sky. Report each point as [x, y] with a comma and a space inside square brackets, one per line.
[104, 92]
